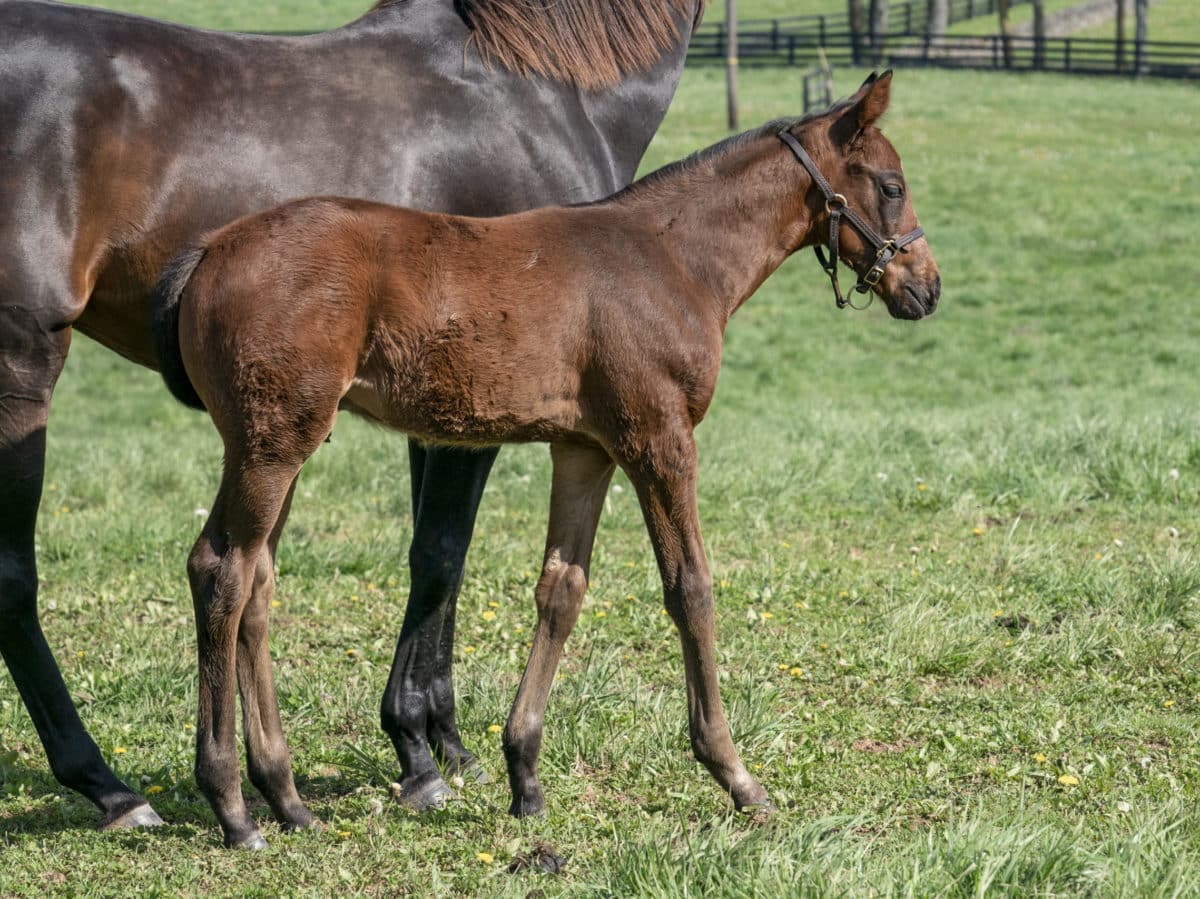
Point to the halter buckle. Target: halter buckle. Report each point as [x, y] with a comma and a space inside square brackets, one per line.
[835, 203]
[875, 274]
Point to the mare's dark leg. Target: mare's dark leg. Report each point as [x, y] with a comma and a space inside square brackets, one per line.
[665, 478]
[417, 711]
[581, 478]
[31, 358]
[267, 759]
[222, 568]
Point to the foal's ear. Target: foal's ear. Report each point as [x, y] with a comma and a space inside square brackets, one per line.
[867, 105]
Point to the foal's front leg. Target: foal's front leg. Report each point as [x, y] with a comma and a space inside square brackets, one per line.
[665, 479]
[221, 569]
[581, 478]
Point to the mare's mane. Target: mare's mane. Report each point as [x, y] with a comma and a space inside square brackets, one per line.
[592, 44]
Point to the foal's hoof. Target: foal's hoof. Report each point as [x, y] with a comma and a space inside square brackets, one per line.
[254, 842]
[758, 810]
[423, 797]
[138, 815]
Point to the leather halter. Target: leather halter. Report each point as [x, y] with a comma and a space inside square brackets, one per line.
[835, 205]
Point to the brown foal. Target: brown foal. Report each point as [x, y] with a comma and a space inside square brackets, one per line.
[595, 328]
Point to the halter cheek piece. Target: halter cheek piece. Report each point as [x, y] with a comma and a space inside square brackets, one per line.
[835, 205]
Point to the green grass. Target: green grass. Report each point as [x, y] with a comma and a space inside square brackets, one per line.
[1166, 20]
[973, 539]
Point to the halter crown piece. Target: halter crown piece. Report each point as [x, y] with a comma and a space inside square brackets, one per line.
[835, 205]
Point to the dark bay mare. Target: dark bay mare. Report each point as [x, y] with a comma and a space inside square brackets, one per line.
[122, 140]
[596, 328]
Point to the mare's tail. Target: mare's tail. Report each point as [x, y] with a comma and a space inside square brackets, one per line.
[164, 324]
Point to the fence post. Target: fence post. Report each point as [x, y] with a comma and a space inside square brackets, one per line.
[774, 35]
[821, 36]
[1067, 56]
[791, 49]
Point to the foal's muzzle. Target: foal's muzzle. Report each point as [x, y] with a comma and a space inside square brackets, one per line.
[836, 207]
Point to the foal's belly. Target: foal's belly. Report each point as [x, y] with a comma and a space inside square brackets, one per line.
[486, 416]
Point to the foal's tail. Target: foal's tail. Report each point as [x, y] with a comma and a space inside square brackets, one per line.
[164, 324]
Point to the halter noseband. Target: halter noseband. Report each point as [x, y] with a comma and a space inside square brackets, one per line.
[835, 205]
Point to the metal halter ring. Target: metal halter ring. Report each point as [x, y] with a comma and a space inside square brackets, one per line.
[835, 203]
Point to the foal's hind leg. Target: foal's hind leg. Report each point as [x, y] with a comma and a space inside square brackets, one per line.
[581, 478]
[31, 356]
[222, 569]
[665, 478]
[267, 760]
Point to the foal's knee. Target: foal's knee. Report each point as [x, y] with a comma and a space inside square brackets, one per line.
[689, 599]
[559, 596]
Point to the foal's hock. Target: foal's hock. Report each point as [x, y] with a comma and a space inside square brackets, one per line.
[595, 328]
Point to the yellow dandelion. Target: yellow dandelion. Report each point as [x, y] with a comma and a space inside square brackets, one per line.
[467, 650]
[724, 583]
[344, 834]
[391, 582]
[801, 605]
[922, 487]
[1040, 758]
[494, 728]
[782, 666]
[767, 616]
[485, 857]
[1168, 703]
[275, 604]
[489, 615]
[978, 532]
[842, 594]
[796, 672]
[997, 613]
[1099, 556]
[492, 604]
[120, 750]
[1068, 780]
[79, 654]
[154, 789]
[630, 597]
[350, 653]
[785, 544]
[189, 727]
[822, 645]
[601, 613]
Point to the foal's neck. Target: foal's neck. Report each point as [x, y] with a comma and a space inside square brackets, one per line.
[730, 218]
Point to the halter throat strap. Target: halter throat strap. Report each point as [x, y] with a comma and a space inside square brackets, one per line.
[835, 205]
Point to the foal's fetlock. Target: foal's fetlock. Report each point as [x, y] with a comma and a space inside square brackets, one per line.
[253, 841]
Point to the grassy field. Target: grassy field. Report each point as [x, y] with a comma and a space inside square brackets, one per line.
[957, 576]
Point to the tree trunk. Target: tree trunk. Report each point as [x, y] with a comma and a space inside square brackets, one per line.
[1039, 33]
[939, 18]
[1005, 36]
[879, 27]
[854, 10]
[1139, 36]
[731, 62]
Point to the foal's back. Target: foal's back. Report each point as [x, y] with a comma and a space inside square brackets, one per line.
[462, 330]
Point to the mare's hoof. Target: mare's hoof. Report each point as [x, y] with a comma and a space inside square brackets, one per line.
[139, 815]
[423, 797]
[254, 842]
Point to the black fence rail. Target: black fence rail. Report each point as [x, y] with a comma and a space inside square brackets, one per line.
[906, 17]
[1093, 56]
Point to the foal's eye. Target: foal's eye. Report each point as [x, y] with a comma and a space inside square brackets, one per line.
[892, 191]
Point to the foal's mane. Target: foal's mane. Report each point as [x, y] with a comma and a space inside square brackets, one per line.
[592, 44]
[701, 157]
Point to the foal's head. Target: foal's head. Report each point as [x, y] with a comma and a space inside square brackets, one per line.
[863, 171]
